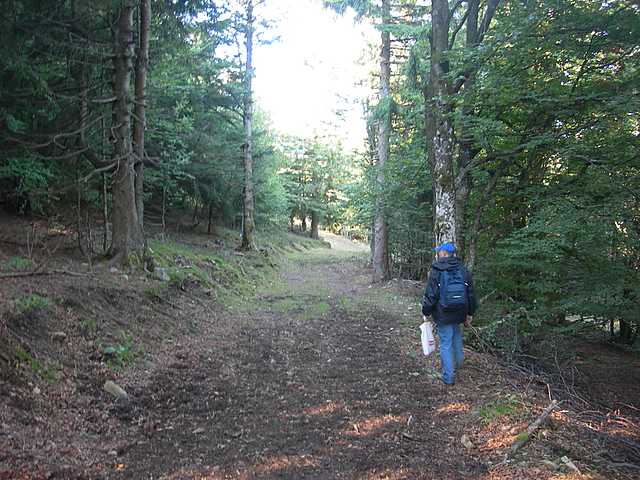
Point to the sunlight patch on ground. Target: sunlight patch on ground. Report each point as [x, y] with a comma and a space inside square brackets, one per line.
[498, 442]
[208, 473]
[387, 474]
[343, 244]
[326, 409]
[372, 425]
[455, 407]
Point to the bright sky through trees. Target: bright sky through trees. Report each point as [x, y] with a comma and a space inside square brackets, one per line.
[319, 65]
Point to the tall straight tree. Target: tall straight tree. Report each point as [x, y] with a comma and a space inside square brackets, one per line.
[139, 125]
[380, 234]
[128, 237]
[439, 127]
[476, 28]
[248, 242]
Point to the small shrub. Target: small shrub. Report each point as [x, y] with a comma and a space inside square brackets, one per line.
[155, 293]
[122, 354]
[36, 367]
[89, 326]
[177, 277]
[31, 303]
[18, 263]
[315, 310]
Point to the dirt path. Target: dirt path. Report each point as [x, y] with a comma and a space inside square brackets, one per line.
[317, 376]
[311, 379]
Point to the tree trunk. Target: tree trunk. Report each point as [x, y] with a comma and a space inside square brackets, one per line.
[105, 214]
[105, 193]
[439, 129]
[381, 238]
[466, 150]
[164, 209]
[209, 223]
[463, 189]
[127, 234]
[139, 125]
[626, 332]
[315, 222]
[196, 209]
[248, 242]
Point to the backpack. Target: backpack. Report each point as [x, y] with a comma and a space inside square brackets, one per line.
[453, 295]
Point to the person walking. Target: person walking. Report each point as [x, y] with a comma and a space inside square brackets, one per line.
[450, 300]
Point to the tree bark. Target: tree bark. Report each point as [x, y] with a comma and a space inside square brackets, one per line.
[315, 222]
[380, 228]
[164, 210]
[105, 214]
[466, 150]
[209, 223]
[139, 125]
[105, 193]
[127, 234]
[463, 190]
[248, 242]
[439, 129]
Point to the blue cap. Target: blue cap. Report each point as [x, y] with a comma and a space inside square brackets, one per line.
[447, 247]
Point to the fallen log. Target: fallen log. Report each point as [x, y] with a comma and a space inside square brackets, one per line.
[38, 273]
[524, 437]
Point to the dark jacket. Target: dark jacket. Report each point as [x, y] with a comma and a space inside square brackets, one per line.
[430, 303]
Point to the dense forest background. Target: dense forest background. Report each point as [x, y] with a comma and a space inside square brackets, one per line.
[536, 103]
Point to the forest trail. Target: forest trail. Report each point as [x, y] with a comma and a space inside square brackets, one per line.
[316, 375]
[319, 377]
[308, 380]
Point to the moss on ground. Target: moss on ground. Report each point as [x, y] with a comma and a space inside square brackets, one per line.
[231, 276]
[504, 407]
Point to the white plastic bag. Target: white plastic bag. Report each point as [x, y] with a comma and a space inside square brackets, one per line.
[428, 339]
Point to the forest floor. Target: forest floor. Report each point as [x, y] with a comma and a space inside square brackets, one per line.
[308, 371]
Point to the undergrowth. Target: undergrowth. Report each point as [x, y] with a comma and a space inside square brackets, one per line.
[16, 264]
[227, 275]
[504, 407]
[124, 352]
[25, 358]
[30, 303]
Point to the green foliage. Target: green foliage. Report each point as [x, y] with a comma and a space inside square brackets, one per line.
[17, 263]
[156, 292]
[194, 132]
[316, 310]
[222, 275]
[550, 123]
[30, 303]
[504, 407]
[123, 353]
[547, 114]
[89, 327]
[315, 177]
[47, 373]
[32, 178]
